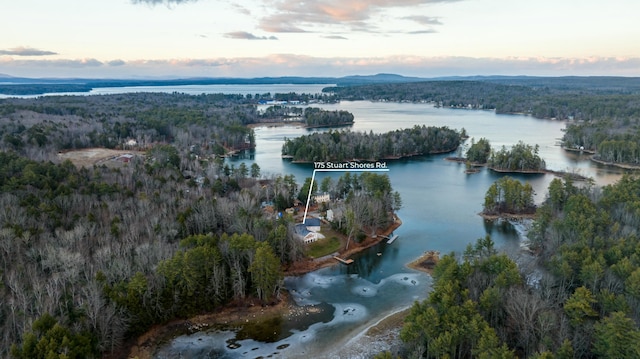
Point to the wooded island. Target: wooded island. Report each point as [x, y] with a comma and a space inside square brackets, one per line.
[348, 145]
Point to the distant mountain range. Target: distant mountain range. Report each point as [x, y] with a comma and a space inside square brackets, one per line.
[10, 85]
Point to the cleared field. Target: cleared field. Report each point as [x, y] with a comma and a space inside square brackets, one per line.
[90, 156]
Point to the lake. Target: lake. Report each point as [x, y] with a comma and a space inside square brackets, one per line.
[191, 90]
[440, 212]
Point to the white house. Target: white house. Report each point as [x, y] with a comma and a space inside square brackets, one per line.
[305, 235]
[322, 198]
[309, 231]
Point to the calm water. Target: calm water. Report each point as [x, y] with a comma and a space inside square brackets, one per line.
[226, 89]
[440, 212]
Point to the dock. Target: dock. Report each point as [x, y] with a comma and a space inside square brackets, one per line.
[392, 238]
[343, 261]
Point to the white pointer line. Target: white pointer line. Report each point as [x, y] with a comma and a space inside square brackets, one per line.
[313, 177]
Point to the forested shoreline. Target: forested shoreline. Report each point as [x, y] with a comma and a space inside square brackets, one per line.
[579, 99]
[611, 141]
[583, 302]
[602, 113]
[348, 145]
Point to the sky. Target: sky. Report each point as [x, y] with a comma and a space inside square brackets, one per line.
[258, 38]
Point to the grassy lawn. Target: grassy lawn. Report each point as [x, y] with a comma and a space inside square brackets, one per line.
[323, 247]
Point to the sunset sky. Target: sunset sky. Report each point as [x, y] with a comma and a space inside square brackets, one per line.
[255, 38]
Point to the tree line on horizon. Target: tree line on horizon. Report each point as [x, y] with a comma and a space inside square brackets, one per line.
[602, 113]
[592, 99]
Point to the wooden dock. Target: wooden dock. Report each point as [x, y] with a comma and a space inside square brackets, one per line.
[392, 238]
[343, 261]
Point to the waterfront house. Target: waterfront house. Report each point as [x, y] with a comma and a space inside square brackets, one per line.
[309, 231]
[305, 235]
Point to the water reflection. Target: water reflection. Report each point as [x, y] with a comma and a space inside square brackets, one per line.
[367, 263]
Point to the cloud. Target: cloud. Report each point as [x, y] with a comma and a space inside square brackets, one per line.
[274, 24]
[159, 2]
[116, 63]
[53, 64]
[241, 9]
[335, 37]
[424, 20]
[247, 36]
[420, 32]
[81, 63]
[26, 51]
[300, 16]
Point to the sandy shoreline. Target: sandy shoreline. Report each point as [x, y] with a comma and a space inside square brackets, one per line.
[383, 335]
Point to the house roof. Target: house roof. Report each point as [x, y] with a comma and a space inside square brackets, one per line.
[301, 229]
[312, 222]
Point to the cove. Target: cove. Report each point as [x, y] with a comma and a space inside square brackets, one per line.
[440, 212]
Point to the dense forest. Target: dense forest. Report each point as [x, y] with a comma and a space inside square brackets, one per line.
[317, 117]
[348, 145]
[100, 254]
[580, 299]
[214, 123]
[95, 247]
[92, 256]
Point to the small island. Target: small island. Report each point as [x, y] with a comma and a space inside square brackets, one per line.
[509, 198]
[520, 158]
